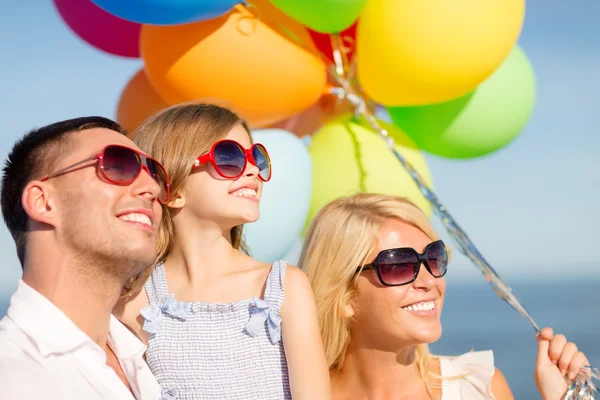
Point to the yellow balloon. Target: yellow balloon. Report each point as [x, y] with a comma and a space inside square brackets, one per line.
[348, 157]
[412, 52]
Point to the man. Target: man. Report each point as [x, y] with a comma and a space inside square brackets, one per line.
[82, 204]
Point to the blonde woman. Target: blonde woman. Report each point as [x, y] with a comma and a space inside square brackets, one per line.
[377, 270]
[218, 323]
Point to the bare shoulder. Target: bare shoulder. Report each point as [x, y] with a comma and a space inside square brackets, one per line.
[297, 289]
[128, 311]
[294, 276]
[500, 387]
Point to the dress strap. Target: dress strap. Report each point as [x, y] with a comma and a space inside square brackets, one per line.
[156, 285]
[274, 290]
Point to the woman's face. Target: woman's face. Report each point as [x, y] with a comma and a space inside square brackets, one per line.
[393, 317]
[228, 202]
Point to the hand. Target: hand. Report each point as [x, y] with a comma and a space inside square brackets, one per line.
[556, 360]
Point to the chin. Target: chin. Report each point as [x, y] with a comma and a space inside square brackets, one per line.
[429, 336]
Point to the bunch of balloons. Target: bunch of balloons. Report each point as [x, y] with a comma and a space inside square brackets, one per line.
[449, 74]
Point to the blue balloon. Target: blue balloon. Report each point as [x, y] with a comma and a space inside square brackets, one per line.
[167, 12]
[285, 198]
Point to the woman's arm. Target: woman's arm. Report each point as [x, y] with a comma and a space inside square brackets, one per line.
[309, 373]
[500, 388]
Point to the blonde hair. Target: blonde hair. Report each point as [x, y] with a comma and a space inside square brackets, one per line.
[340, 238]
[176, 136]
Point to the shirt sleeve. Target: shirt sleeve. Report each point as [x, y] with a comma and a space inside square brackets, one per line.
[26, 380]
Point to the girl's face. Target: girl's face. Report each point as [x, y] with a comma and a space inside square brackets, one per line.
[393, 317]
[228, 202]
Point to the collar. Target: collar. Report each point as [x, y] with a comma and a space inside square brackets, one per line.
[123, 342]
[53, 332]
[45, 324]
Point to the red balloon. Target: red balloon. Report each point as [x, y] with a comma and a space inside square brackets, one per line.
[100, 28]
[323, 42]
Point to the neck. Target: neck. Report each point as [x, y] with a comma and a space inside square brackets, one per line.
[374, 373]
[198, 249]
[85, 298]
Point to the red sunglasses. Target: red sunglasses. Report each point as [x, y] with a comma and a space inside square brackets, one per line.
[229, 159]
[121, 166]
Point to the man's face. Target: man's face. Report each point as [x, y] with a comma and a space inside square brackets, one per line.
[100, 223]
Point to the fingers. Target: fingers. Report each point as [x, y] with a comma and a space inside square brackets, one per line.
[557, 345]
[579, 360]
[565, 355]
[543, 338]
[565, 358]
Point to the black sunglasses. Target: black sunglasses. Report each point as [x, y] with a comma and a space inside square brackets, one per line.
[401, 266]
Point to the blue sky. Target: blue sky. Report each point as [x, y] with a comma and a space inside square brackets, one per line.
[531, 207]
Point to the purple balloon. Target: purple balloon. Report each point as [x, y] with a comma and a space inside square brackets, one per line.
[100, 28]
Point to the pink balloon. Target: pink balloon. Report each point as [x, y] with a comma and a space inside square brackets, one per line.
[100, 28]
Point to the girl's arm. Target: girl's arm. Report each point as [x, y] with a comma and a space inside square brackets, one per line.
[128, 311]
[307, 366]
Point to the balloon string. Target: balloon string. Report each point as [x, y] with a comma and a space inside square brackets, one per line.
[349, 89]
[247, 24]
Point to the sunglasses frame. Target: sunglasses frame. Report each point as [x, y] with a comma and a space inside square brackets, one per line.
[248, 157]
[99, 158]
[422, 259]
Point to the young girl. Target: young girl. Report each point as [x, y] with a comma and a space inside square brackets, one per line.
[219, 324]
[377, 267]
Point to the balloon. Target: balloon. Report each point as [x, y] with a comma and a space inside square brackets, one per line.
[138, 101]
[479, 123]
[167, 12]
[264, 69]
[422, 52]
[307, 122]
[325, 16]
[294, 253]
[347, 158]
[102, 30]
[285, 198]
[323, 42]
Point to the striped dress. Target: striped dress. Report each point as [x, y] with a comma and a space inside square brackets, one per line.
[211, 351]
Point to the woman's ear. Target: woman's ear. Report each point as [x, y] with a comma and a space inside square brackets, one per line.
[349, 309]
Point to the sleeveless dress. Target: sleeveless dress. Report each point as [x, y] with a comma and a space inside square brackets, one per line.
[478, 366]
[211, 351]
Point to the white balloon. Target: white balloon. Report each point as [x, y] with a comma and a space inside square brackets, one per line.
[285, 198]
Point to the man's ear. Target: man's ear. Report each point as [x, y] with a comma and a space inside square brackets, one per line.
[38, 202]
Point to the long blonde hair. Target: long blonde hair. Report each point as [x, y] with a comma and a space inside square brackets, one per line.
[341, 237]
[176, 136]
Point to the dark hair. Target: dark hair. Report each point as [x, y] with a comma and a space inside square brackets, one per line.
[32, 157]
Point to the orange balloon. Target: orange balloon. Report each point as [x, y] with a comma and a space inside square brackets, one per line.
[309, 121]
[264, 66]
[138, 101]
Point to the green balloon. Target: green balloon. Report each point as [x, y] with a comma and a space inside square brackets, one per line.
[480, 122]
[348, 157]
[325, 16]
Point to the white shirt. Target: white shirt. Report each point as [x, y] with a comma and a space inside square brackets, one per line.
[468, 377]
[44, 355]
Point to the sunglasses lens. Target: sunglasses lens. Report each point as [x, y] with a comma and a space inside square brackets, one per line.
[229, 159]
[160, 176]
[437, 257]
[262, 160]
[397, 266]
[121, 165]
